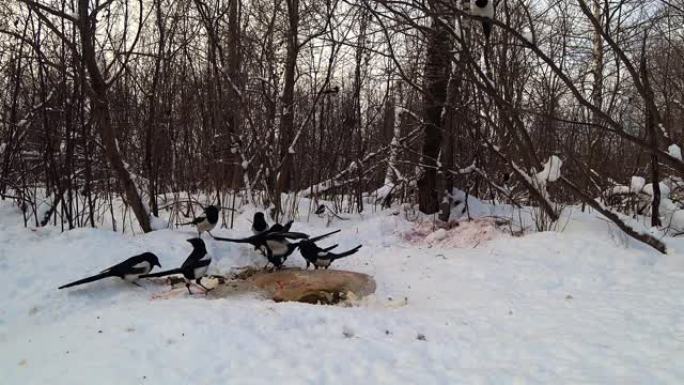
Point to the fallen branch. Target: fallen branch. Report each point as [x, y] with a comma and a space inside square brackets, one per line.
[615, 218]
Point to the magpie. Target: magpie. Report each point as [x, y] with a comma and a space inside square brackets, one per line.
[194, 267]
[278, 249]
[259, 225]
[205, 222]
[484, 9]
[278, 228]
[260, 239]
[319, 257]
[129, 270]
[275, 246]
[332, 90]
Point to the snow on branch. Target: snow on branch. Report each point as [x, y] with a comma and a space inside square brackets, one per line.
[616, 218]
[338, 179]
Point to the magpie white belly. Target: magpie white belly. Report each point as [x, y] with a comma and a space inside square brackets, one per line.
[323, 262]
[142, 267]
[205, 226]
[277, 248]
[200, 271]
[130, 277]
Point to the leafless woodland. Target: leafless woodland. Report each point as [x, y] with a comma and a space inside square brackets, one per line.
[359, 103]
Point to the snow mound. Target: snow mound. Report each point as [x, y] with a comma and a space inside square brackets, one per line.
[637, 185]
[158, 223]
[466, 234]
[664, 190]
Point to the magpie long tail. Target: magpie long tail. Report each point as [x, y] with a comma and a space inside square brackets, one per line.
[86, 280]
[347, 253]
[330, 247]
[293, 235]
[287, 226]
[318, 238]
[234, 240]
[162, 273]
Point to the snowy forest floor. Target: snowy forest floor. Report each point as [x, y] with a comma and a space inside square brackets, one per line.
[580, 306]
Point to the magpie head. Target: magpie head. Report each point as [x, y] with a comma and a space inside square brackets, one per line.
[307, 247]
[259, 222]
[197, 243]
[212, 213]
[154, 261]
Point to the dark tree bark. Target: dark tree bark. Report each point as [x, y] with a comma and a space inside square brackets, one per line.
[234, 62]
[284, 179]
[102, 115]
[151, 157]
[642, 237]
[435, 85]
[651, 122]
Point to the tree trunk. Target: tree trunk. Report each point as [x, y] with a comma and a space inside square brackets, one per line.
[435, 85]
[651, 123]
[234, 60]
[102, 117]
[284, 180]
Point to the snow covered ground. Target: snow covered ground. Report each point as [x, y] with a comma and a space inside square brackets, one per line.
[580, 306]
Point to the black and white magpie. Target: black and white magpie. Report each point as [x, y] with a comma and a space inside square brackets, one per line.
[129, 270]
[259, 225]
[278, 228]
[332, 90]
[194, 268]
[484, 9]
[275, 246]
[206, 222]
[321, 257]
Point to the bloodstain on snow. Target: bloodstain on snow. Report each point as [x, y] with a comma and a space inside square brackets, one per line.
[462, 234]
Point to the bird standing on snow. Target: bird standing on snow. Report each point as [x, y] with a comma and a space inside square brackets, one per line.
[194, 267]
[275, 246]
[206, 222]
[129, 270]
[321, 257]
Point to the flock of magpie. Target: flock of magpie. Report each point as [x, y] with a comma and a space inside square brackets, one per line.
[276, 243]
